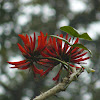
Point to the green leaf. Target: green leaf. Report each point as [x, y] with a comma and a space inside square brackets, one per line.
[60, 38]
[88, 69]
[85, 36]
[70, 30]
[81, 46]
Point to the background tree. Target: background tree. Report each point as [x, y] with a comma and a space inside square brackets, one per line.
[28, 16]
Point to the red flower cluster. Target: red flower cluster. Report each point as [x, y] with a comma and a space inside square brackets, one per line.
[30, 53]
[66, 53]
[48, 51]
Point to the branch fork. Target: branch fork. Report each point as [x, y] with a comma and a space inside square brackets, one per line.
[62, 86]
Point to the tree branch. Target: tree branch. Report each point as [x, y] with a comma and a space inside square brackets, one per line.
[62, 86]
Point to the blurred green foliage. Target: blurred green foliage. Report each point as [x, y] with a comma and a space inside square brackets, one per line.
[28, 16]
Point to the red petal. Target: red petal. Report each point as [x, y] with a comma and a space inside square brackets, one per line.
[26, 67]
[74, 66]
[39, 40]
[66, 36]
[22, 65]
[31, 44]
[23, 38]
[57, 76]
[34, 41]
[74, 50]
[50, 42]
[65, 45]
[80, 55]
[69, 39]
[27, 48]
[17, 63]
[44, 55]
[55, 45]
[27, 41]
[76, 41]
[46, 72]
[45, 37]
[59, 42]
[78, 52]
[80, 59]
[37, 71]
[42, 42]
[50, 53]
[21, 49]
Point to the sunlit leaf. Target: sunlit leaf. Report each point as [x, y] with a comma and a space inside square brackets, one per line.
[70, 30]
[85, 36]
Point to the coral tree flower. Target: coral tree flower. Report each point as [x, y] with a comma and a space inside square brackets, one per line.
[66, 53]
[30, 52]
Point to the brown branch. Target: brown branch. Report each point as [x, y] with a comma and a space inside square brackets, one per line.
[62, 86]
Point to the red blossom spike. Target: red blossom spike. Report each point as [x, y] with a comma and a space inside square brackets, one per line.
[17, 63]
